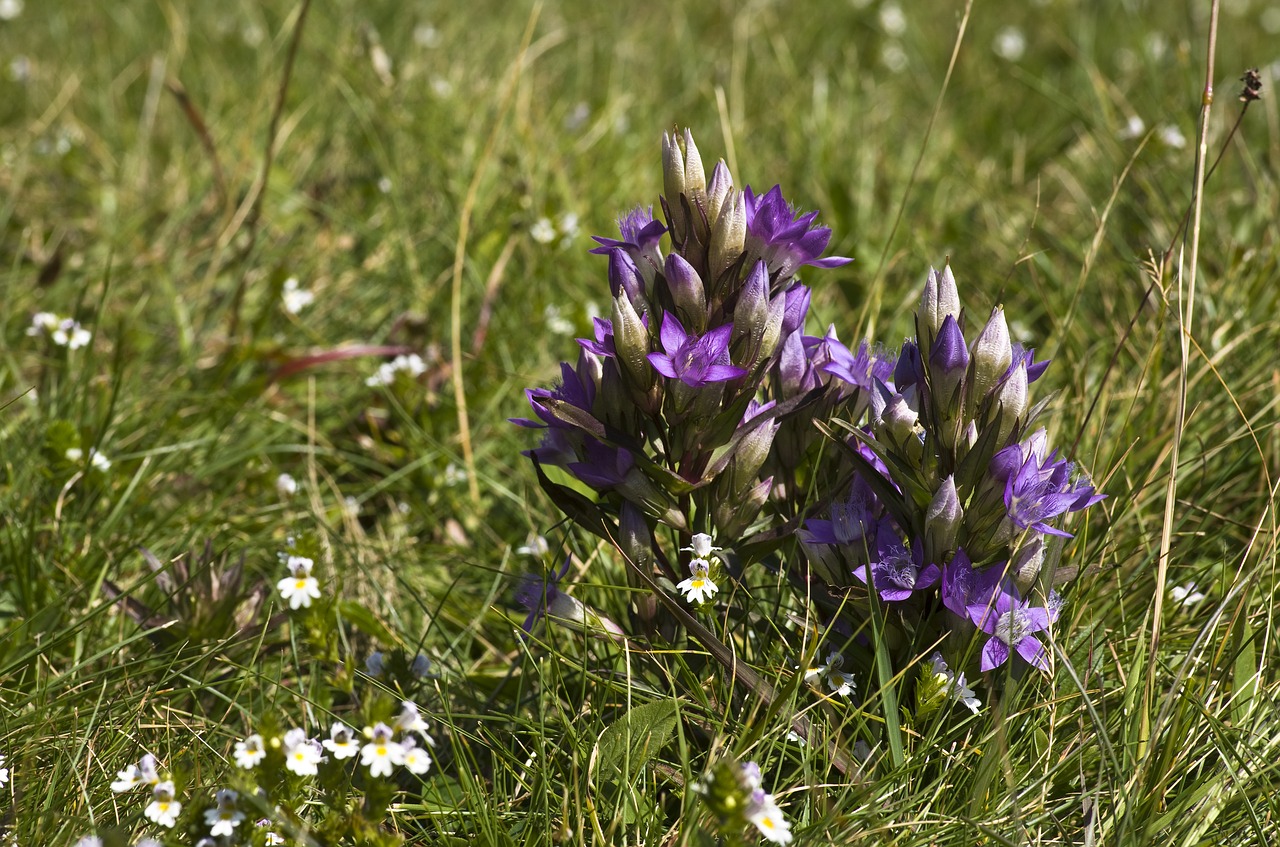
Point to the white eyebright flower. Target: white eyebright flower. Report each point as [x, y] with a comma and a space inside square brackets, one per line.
[250, 752]
[302, 755]
[416, 759]
[1186, 595]
[543, 231]
[954, 684]
[300, 587]
[341, 742]
[224, 819]
[295, 297]
[699, 587]
[163, 809]
[381, 753]
[286, 485]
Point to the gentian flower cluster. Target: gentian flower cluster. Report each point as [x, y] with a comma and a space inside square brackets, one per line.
[671, 412]
[954, 496]
[928, 504]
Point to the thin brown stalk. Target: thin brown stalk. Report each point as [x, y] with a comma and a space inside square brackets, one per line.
[201, 129]
[1186, 314]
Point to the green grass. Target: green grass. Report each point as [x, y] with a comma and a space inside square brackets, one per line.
[109, 210]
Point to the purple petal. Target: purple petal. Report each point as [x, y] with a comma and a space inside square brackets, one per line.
[994, 654]
[1033, 651]
[722, 373]
[672, 333]
[662, 364]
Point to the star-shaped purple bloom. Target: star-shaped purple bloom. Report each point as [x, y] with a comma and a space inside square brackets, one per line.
[694, 361]
[896, 570]
[572, 389]
[639, 232]
[785, 239]
[1011, 622]
[603, 344]
[852, 518]
[1038, 487]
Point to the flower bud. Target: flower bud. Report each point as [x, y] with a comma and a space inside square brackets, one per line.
[750, 456]
[1027, 562]
[1011, 401]
[749, 315]
[797, 307]
[909, 369]
[682, 177]
[631, 340]
[992, 354]
[636, 542]
[718, 191]
[942, 523]
[687, 292]
[898, 420]
[948, 361]
[941, 299]
[728, 237]
[773, 326]
[732, 517]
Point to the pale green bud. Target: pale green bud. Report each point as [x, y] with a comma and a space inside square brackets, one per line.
[941, 298]
[1011, 401]
[992, 354]
[729, 235]
[631, 340]
[942, 523]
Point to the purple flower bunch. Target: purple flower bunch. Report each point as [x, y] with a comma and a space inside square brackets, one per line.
[924, 488]
[671, 411]
[954, 512]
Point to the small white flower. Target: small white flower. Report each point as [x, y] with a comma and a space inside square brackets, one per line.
[893, 19]
[273, 838]
[1133, 128]
[764, 814]
[163, 809]
[701, 547]
[302, 755]
[416, 759]
[89, 841]
[1010, 44]
[300, 587]
[699, 587]
[1172, 136]
[341, 742]
[148, 771]
[4, 772]
[10, 9]
[454, 475]
[381, 753]
[411, 364]
[894, 57]
[250, 752]
[411, 720]
[840, 684]
[954, 684]
[71, 335]
[543, 231]
[224, 819]
[1186, 595]
[295, 297]
[568, 225]
[43, 323]
[127, 779]
[384, 185]
[286, 485]
[794, 738]
[150, 842]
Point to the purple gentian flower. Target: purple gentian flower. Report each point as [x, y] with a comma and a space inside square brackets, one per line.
[605, 467]
[963, 585]
[1011, 622]
[602, 346]
[541, 596]
[573, 389]
[1027, 354]
[860, 369]
[785, 239]
[694, 361]
[852, 519]
[640, 232]
[1038, 487]
[896, 571]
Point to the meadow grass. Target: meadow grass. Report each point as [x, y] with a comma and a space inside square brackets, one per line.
[418, 146]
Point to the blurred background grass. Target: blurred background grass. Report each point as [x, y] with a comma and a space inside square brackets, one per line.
[1060, 163]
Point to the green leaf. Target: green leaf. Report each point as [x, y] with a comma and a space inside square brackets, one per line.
[1244, 672]
[629, 743]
